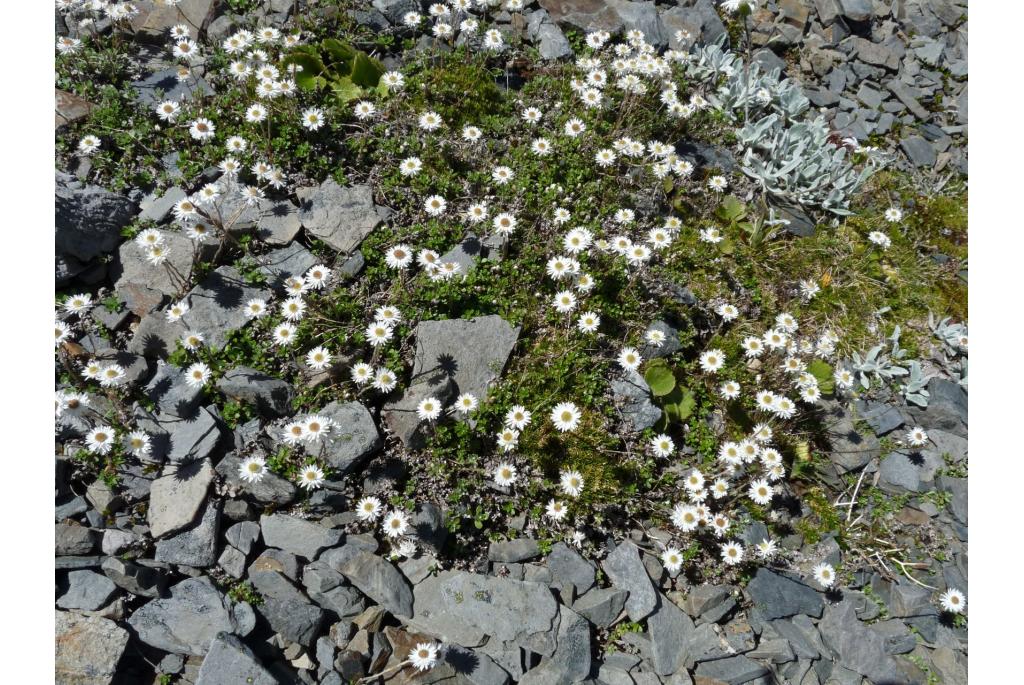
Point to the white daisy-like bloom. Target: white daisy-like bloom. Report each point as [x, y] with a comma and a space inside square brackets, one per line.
[284, 334]
[541, 147]
[712, 360]
[100, 440]
[469, 26]
[88, 144]
[917, 437]
[202, 129]
[574, 127]
[753, 347]
[749, 450]
[255, 113]
[811, 394]
[313, 118]
[720, 488]
[808, 289]
[293, 308]
[361, 373]
[466, 402]
[197, 375]
[685, 517]
[505, 474]
[364, 110]
[255, 308]
[784, 407]
[385, 380]
[67, 45]
[672, 559]
[953, 601]
[565, 416]
[728, 312]
[410, 166]
[508, 438]
[824, 574]
[78, 304]
[61, 332]
[192, 340]
[399, 257]
[311, 477]
[471, 134]
[389, 315]
[91, 370]
[732, 553]
[149, 237]
[775, 339]
[894, 215]
[317, 276]
[729, 390]
[532, 115]
[504, 223]
[765, 400]
[315, 427]
[428, 409]
[638, 254]
[393, 80]
[717, 183]
[168, 110]
[555, 510]
[518, 417]
[880, 239]
[571, 483]
[138, 443]
[430, 121]
[711, 235]
[252, 469]
[655, 337]
[604, 157]
[659, 238]
[662, 445]
[629, 359]
[368, 509]
[786, 322]
[760, 492]
[584, 282]
[694, 481]
[379, 333]
[564, 302]
[423, 656]
[502, 175]
[395, 524]
[766, 549]
[435, 205]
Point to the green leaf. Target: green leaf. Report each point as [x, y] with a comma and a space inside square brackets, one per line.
[341, 55]
[344, 90]
[366, 71]
[310, 72]
[822, 371]
[660, 379]
[731, 209]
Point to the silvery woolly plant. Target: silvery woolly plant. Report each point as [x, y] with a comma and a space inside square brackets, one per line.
[883, 366]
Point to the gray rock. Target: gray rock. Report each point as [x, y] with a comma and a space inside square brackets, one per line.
[569, 568]
[777, 596]
[601, 606]
[870, 96]
[633, 397]
[138, 580]
[394, 10]
[88, 219]
[230, 662]
[71, 539]
[341, 217]
[701, 21]
[87, 591]
[164, 85]
[136, 280]
[705, 598]
[400, 416]
[572, 645]
[74, 507]
[828, 10]
[279, 265]
[642, 16]
[344, 600]
[232, 561]
[799, 640]
[465, 254]
[243, 535]
[857, 10]
[587, 15]
[88, 649]
[875, 53]
[897, 636]
[626, 572]
[287, 609]
[271, 395]
[907, 599]
[354, 545]
[355, 437]
[468, 608]
[883, 418]
[905, 94]
[190, 618]
[177, 496]
[511, 551]
[156, 208]
[186, 439]
[319, 577]
[857, 647]
[470, 352]
[552, 43]
[919, 150]
[278, 223]
[670, 346]
[733, 670]
[380, 581]
[298, 536]
[670, 628]
[909, 471]
[197, 546]
[428, 526]
[947, 408]
[271, 489]
[276, 560]
[851, 450]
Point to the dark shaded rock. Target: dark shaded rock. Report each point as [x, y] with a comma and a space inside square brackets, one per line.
[569, 568]
[354, 438]
[633, 397]
[164, 85]
[626, 572]
[508, 551]
[271, 395]
[71, 539]
[777, 596]
[278, 223]
[190, 618]
[858, 648]
[230, 662]
[380, 581]
[197, 546]
[733, 670]
[704, 156]
[919, 150]
[288, 610]
[138, 580]
[88, 219]
[601, 606]
[670, 630]
[271, 489]
[400, 416]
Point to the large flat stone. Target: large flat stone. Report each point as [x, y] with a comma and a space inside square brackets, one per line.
[298, 536]
[177, 496]
[380, 581]
[88, 649]
[627, 572]
[341, 217]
